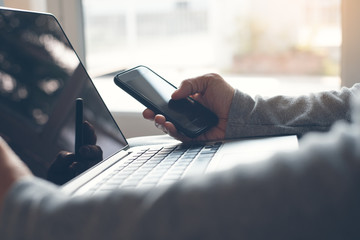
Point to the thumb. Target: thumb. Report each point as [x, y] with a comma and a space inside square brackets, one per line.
[186, 89]
[190, 87]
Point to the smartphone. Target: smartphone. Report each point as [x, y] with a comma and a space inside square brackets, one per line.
[189, 116]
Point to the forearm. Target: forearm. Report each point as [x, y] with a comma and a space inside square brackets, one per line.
[42, 211]
[288, 115]
[309, 194]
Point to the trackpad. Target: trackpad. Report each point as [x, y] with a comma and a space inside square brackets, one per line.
[251, 151]
[229, 160]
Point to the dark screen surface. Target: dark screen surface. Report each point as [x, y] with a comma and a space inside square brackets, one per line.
[40, 78]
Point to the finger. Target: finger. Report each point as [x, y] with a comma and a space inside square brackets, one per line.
[60, 171]
[65, 166]
[148, 114]
[169, 128]
[89, 134]
[173, 132]
[159, 119]
[63, 161]
[186, 88]
[159, 122]
[89, 153]
[189, 87]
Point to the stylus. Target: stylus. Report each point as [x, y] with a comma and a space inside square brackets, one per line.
[78, 126]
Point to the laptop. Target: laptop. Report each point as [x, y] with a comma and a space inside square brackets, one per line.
[40, 78]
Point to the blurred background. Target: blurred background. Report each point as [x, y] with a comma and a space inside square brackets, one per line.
[262, 47]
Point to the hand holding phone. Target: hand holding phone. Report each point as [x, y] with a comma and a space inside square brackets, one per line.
[189, 116]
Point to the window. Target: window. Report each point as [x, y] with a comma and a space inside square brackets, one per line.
[262, 47]
[259, 45]
[36, 5]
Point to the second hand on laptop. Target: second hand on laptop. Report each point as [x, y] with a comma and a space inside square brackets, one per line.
[78, 127]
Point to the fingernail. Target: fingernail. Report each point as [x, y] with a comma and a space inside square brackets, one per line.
[162, 128]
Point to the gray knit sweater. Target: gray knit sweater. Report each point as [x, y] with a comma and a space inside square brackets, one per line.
[309, 194]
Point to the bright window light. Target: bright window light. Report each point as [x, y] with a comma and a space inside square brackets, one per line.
[283, 46]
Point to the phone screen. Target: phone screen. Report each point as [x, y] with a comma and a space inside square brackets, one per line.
[189, 116]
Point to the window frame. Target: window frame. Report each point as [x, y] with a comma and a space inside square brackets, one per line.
[70, 15]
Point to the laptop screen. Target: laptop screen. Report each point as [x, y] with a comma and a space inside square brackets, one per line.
[40, 78]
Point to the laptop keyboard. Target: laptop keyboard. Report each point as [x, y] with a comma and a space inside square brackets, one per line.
[154, 166]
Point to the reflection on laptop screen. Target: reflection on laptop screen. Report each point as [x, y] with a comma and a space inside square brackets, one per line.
[40, 78]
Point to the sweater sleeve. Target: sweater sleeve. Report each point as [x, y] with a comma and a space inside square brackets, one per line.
[288, 115]
[37, 209]
[309, 194]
